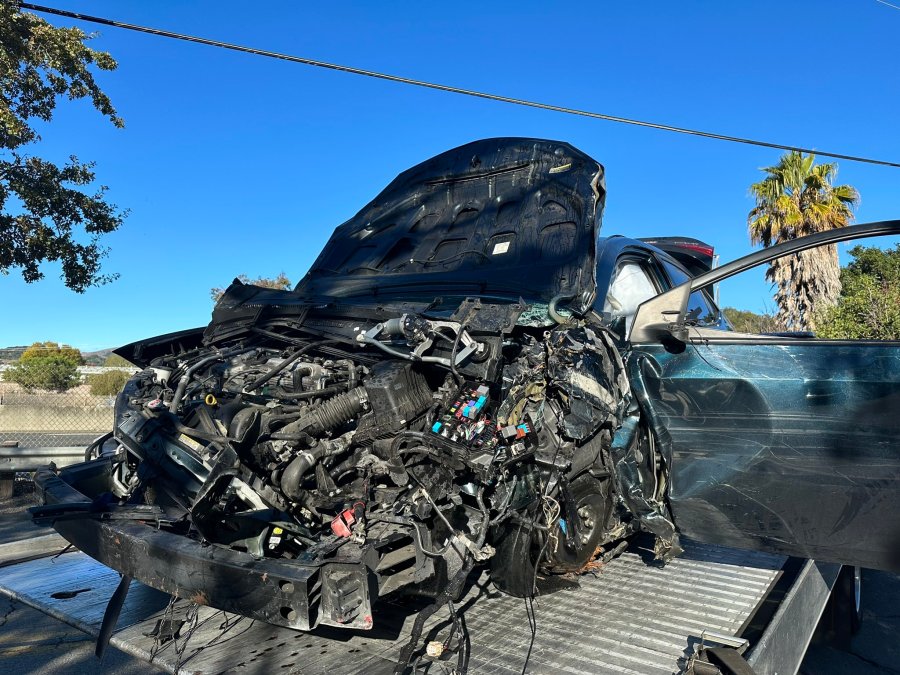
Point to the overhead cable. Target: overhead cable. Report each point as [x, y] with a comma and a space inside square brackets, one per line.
[443, 87]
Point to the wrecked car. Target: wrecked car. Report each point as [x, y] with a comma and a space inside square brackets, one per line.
[470, 375]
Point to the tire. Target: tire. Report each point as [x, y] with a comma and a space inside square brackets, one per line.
[518, 546]
[848, 598]
[842, 618]
[512, 566]
[594, 506]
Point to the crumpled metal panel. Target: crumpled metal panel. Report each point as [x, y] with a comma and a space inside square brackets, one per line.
[636, 487]
[581, 366]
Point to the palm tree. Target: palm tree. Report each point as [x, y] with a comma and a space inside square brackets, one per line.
[797, 198]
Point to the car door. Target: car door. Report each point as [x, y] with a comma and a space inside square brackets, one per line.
[774, 443]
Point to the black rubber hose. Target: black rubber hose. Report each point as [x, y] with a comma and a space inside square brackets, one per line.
[293, 474]
[327, 391]
[316, 393]
[333, 412]
[554, 314]
[297, 377]
[183, 383]
[351, 372]
[342, 408]
[96, 443]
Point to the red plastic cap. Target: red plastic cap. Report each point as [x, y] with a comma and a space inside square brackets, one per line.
[342, 523]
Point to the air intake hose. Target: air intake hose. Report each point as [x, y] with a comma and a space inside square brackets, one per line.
[332, 413]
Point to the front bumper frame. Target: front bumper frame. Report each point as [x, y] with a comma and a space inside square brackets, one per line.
[285, 593]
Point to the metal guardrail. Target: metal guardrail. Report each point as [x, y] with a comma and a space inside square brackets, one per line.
[14, 459]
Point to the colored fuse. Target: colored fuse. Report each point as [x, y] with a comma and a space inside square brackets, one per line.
[436, 427]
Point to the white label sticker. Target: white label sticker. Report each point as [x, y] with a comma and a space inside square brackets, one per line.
[501, 247]
[190, 442]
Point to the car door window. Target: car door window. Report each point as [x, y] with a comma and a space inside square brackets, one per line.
[776, 443]
[699, 310]
[630, 286]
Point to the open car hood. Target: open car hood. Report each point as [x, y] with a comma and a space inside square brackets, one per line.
[515, 217]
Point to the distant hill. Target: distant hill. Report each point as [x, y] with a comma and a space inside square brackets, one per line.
[9, 354]
[97, 358]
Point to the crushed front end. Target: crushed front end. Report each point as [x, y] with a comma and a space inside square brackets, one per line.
[397, 419]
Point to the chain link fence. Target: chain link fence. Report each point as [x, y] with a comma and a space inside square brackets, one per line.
[47, 403]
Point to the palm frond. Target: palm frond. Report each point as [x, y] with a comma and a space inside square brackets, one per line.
[795, 198]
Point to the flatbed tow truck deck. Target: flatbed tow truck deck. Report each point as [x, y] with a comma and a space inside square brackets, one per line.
[629, 617]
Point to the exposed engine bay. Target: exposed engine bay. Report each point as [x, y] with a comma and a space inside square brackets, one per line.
[445, 388]
[436, 393]
[410, 450]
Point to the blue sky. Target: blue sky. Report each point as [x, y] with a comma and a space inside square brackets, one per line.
[231, 163]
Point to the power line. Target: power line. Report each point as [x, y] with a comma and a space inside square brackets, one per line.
[888, 4]
[447, 88]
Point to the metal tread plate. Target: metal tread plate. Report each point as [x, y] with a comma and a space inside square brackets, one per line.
[631, 617]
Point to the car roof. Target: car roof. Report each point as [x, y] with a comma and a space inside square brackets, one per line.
[616, 243]
[695, 255]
